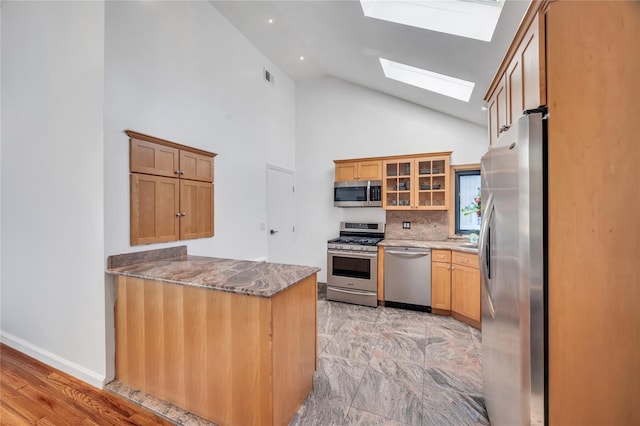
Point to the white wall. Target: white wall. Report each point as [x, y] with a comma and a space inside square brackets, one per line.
[73, 70]
[52, 178]
[339, 120]
[180, 71]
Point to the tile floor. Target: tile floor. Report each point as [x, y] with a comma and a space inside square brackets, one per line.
[385, 366]
[378, 366]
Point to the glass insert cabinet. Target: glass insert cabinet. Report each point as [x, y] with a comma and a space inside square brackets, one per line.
[416, 183]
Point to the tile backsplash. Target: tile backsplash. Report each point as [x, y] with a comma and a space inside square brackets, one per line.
[425, 225]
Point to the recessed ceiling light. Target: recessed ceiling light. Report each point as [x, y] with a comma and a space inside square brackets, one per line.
[428, 80]
[302, 58]
[475, 19]
[270, 21]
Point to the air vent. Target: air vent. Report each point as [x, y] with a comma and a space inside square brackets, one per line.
[268, 76]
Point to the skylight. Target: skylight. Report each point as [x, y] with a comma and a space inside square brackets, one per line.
[428, 80]
[466, 18]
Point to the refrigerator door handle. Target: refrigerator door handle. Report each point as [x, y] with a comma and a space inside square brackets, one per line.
[484, 253]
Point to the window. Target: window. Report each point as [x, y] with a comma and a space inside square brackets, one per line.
[428, 80]
[475, 19]
[468, 201]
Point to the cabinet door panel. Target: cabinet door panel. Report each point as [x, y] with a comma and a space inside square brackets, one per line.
[196, 204]
[501, 101]
[514, 90]
[154, 208]
[533, 66]
[493, 119]
[441, 285]
[370, 170]
[196, 167]
[346, 171]
[153, 159]
[465, 292]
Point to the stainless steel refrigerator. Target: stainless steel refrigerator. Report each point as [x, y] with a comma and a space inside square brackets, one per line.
[512, 268]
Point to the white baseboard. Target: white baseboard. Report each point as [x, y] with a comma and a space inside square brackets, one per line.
[53, 360]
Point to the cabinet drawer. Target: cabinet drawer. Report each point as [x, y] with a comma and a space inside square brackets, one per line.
[465, 259]
[441, 256]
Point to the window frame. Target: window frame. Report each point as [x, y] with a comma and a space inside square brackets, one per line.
[458, 173]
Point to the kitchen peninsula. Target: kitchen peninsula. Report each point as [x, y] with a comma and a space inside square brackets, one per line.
[232, 341]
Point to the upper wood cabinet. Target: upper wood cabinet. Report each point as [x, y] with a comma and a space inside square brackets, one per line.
[155, 202]
[416, 182]
[358, 170]
[498, 111]
[171, 191]
[521, 81]
[196, 166]
[196, 209]
[153, 159]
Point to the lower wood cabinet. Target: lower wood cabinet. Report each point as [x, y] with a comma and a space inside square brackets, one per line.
[465, 288]
[455, 286]
[441, 281]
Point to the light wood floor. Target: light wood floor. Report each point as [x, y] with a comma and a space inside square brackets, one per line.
[34, 393]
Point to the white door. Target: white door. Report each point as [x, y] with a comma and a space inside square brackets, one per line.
[281, 215]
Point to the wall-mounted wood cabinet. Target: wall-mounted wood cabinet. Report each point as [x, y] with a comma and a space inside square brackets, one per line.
[522, 84]
[416, 182]
[171, 191]
[358, 170]
[155, 203]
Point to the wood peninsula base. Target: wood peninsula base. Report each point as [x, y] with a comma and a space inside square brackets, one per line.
[234, 359]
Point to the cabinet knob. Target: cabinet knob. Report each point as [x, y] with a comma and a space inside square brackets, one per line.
[504, 128]
[180, 214]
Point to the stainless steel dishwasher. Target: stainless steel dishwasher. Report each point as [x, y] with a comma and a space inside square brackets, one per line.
[407, 278]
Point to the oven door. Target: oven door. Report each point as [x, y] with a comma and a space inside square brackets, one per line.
[352, 270]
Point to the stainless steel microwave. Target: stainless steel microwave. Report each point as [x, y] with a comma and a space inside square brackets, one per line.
[357, 193]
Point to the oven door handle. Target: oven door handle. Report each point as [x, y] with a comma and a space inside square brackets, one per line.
[353, 253]
[357, 292]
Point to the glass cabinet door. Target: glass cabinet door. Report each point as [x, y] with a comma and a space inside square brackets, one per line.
[432, 183]
[397, 184]
[416, 183]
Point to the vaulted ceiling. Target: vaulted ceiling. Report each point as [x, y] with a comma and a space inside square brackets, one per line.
[336, 39]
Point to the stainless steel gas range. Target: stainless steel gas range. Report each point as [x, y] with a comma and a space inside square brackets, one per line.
[352, 263]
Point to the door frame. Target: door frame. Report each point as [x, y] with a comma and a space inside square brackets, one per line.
[293, 207]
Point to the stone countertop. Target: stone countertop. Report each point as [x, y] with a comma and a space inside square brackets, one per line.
[262, 279]
[442, 245]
